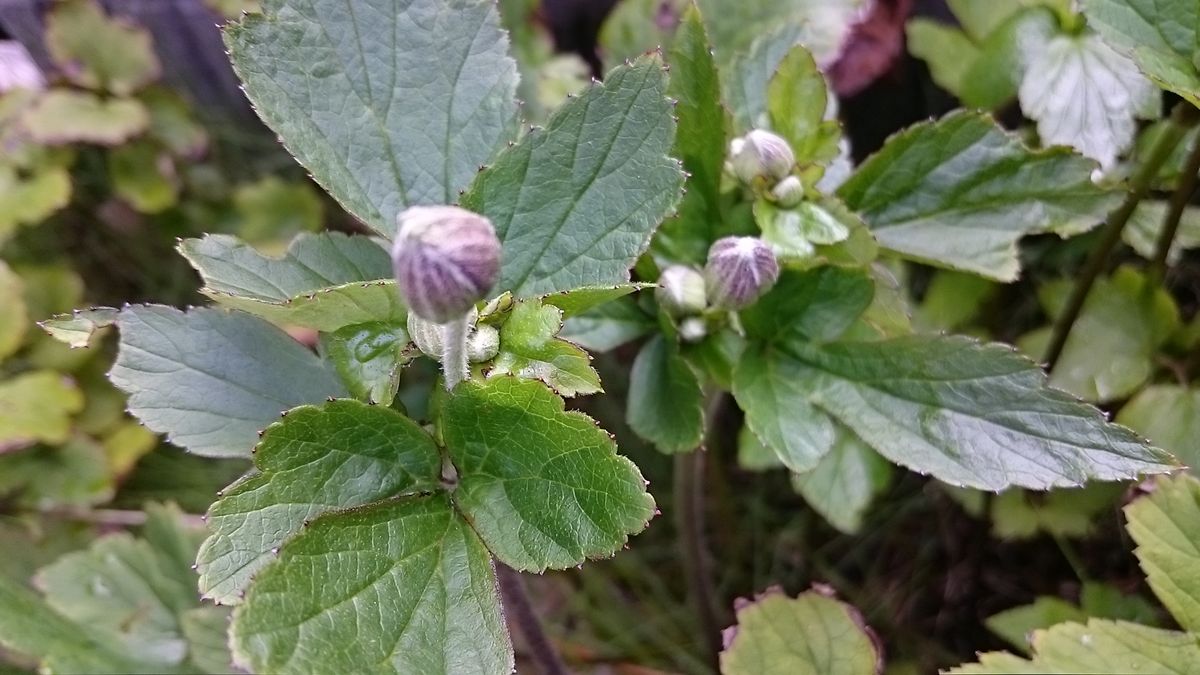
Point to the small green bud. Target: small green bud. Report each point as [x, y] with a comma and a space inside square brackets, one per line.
[761, 154]
[427, 336]
[739, 271]
[788, 192]
[681, 291]
[446, 259]
[483, 344]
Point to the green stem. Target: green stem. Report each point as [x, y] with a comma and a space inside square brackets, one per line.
[1110, 236]
[454, 352]
[1179, 201]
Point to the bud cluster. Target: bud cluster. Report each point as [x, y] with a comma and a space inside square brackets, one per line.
[446, 259]
[763, 159]
[739, 271]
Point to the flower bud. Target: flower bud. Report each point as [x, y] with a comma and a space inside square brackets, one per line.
[692, 329]
[761, 153]
[483, 345]
[788, 192]
[446, 259]
[427, 336]
[739, 271]
[681, 291]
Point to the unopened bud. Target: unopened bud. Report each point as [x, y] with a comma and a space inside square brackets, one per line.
[446, 259]
[739, 271]
[427, 336]
[788, 192]
[681, 291]
[483, 344]
[761, 154]
[692, 329]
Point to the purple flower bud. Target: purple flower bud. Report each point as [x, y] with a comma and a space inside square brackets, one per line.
[681, 291]
[446, 259]
[739, 271]
[761, 154]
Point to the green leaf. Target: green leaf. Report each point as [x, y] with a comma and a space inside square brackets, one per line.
[608, 326]
[77, 329]
[966, 413]
[271, 209]
[386, 106]
[695, 85]
[960, 193]
[1141, 233]
[530, 349]
[37, 407]
[585, 298]
[1170, 417]
[75, 474]
[665, 404]
[31, 198]
[1083, 94]
[753, 454]
[1016, 625]
[324, 281]
[845, 481]
[798, 235]
[575, 203]
[947, 51]
[796, 107]
[543, 487]
[981, 17]
[205, 629]
[144, 176]
[992, 80]
[403, 586]
[368, 357]
[820, 25]
[210, 379]
[99, 52]
[1099, 647]
[953, 300]
[343, 454]
[63, 116]
[1166, 526]
[1161, 36]
[1110, 351]
[819, 304]
[750, 75]
[173, 125]
[809, 635]
[771, 392]
[1067, 512]
[13, 316]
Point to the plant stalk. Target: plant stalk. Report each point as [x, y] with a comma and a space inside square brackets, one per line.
[516, 601]
[691, 524]
[1179, 201]
[1110, 236]
[455, 368]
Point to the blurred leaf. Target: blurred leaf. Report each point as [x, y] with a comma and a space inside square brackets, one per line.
[665, 404]
[1162, 37]
[74, 474]
[822, 26]
[173, 125]
[530, 349]
[272, 210]
[808, 635]
[1141, 233]
[608, 326]
[388, 106]
[634, 27]
[845, 481]
[961, 192]
[1017, 625]
[981, 17]
[99, 52]
[1169, 416]
[32, 198]
[947, 51]
[211, 379]
[1005, 55]
[749, 75]
[1072, 512]
[1166, 526]
[37, 407]
[143, 176]
[796, 107]
[368, 357]
[753, 454]
[953, 299]
[77, 329]
[13, 317]
[171, 473]
[126, 444]
[62, 116]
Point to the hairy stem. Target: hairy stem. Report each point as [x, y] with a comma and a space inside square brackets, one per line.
[691, 525]
[1110, 235]
[516, 601]
[1179, 201]
[454, 353]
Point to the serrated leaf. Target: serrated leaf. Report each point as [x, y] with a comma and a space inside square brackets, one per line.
[99, 52]
[530, 349]
[387, 106]
[946, 49]
[960, 193]
[211, 379]
[1162, 37]
[1166, 526]
[694, 84]
[13, 316]
[608, 326]
[575, 203]
[63, 116]
[819, 304]
[665, 404]
[368, 357]
[1099, 647]
[1110, 351]
[77, 329]
[543, 487]
[811, 634]
[403, 586]
[36, 407]
[318, 459]
[1083, 94]
[844, 482]
[775, 400]
[577, 301]
[324, 281]
[1170, 417]
[1016, 625]
[967, 413]
[796, 108]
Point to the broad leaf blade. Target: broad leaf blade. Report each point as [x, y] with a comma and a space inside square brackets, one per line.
[1166, 526]
[844, 482]
[771, 392]
[819, 305]
[960, 193]
[1170, 417]
[1162, 36]
[387, 105]
[665, 403]
[211, 379]
[37, 407]
[403, 586]
[530, 348]
[543, 487]
[575, 203]
[342, 454]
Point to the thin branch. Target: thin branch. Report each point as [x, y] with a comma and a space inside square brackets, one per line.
[1179, 201]
[1110, 236]
[516, 601]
